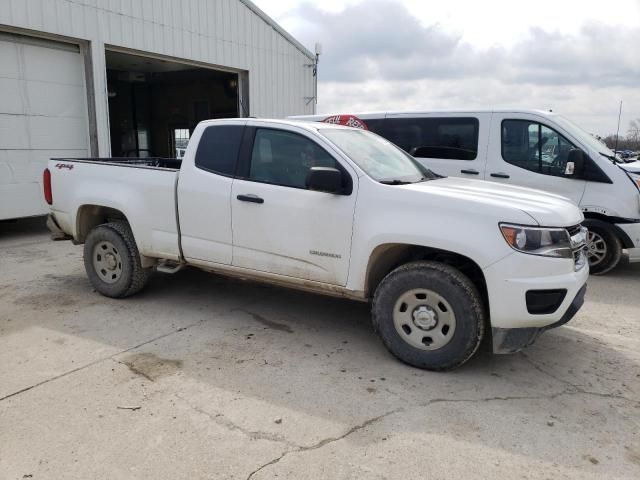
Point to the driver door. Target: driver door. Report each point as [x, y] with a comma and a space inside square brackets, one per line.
[279, 225]
[526, 152]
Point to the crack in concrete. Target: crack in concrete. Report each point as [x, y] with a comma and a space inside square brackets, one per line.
[100, 360]
[545, 372]
[611, 396]
[268, 464]
[363, 425]
[575, 388]
[223, 421]
[483, 399]
[326, 441]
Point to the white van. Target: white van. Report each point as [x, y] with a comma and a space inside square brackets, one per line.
[530, 148]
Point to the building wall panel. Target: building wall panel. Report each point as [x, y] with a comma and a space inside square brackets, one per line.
[43, 113]
[226, 33]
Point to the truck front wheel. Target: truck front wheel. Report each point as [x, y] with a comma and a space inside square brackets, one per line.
[112, 261]
[429, 315]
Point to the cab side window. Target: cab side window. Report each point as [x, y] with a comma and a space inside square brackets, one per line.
[450, 138]
[218, 149]
[535, 147]
[284, 158]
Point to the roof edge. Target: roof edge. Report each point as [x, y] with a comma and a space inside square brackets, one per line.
[255, 9]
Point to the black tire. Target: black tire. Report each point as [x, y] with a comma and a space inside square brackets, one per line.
[456, 289]
[131, 276]
[613, 245]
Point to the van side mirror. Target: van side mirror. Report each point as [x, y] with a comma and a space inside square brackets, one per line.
[575, 162]
[325, 179]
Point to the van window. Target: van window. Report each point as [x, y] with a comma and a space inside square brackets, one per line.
[375, 125]
[218, 149]
[535, 147]
[452, 138]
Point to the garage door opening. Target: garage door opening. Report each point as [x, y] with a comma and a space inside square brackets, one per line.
[154, 104]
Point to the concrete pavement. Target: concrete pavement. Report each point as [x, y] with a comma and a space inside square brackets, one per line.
[202, 377]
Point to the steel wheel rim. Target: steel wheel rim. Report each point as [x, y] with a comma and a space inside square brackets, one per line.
[596, 248]
[107, 262]
[424, 319]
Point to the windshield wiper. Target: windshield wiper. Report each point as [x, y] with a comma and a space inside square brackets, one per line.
[611, 157]
[397, 181]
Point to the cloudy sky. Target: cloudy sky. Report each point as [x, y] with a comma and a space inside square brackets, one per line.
[579, 58]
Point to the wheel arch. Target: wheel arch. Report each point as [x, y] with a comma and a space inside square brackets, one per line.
[604, 221]
[90, 216]
[389, 256]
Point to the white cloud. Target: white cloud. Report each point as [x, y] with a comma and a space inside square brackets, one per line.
[577, 57]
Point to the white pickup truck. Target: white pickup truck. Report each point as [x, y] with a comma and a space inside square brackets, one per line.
[334, 210]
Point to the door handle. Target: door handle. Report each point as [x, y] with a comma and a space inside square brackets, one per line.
[470, 172]
[500, 175]
[250, 198]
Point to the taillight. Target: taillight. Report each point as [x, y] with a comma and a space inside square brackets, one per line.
[46, 186]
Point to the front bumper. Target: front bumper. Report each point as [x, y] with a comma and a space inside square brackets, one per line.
[634, 255]
[509, 280]
[633, 232]
[512, 340]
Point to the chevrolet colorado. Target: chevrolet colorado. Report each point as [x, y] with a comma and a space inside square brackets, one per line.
[335, 210]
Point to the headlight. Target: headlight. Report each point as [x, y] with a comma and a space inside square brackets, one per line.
[548, 242]
[636, 179]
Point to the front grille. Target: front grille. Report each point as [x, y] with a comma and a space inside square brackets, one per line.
[574, 230]
[576, 255]
[578, 235]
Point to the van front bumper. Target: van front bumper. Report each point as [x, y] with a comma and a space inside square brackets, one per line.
[512, 340]
[632, 230]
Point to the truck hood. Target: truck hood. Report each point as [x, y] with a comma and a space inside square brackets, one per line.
[547, 209]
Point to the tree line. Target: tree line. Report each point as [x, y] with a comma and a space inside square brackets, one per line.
[630, 141]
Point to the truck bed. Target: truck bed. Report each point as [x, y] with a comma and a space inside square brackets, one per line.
[143, 190]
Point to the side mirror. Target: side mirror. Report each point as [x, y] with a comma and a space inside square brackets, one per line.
[325, 179]
[575, 162]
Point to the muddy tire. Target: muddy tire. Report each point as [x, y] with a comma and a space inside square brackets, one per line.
[429, 315]
[604, 249]
[112, 261]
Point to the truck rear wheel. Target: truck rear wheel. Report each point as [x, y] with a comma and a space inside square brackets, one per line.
[112, 261]
[429, 315]
[604, 249]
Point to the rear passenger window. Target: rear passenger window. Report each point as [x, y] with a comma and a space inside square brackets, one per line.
[446, 138]
[218, 149]
[535, 147]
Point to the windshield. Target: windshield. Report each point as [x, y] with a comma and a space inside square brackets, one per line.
[379, 158]
[584, 136]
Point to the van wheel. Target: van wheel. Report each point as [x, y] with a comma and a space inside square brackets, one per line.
[429, 315]
[112, 261]
[604, 249]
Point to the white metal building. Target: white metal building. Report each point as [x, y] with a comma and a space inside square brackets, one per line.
[132, 78]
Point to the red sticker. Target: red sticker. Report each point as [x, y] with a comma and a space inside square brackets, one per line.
[346, 120]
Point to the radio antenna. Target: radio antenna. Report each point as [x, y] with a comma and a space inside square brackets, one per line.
[615, 151]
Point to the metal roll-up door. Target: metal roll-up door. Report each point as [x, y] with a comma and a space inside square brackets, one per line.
[43, 114]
